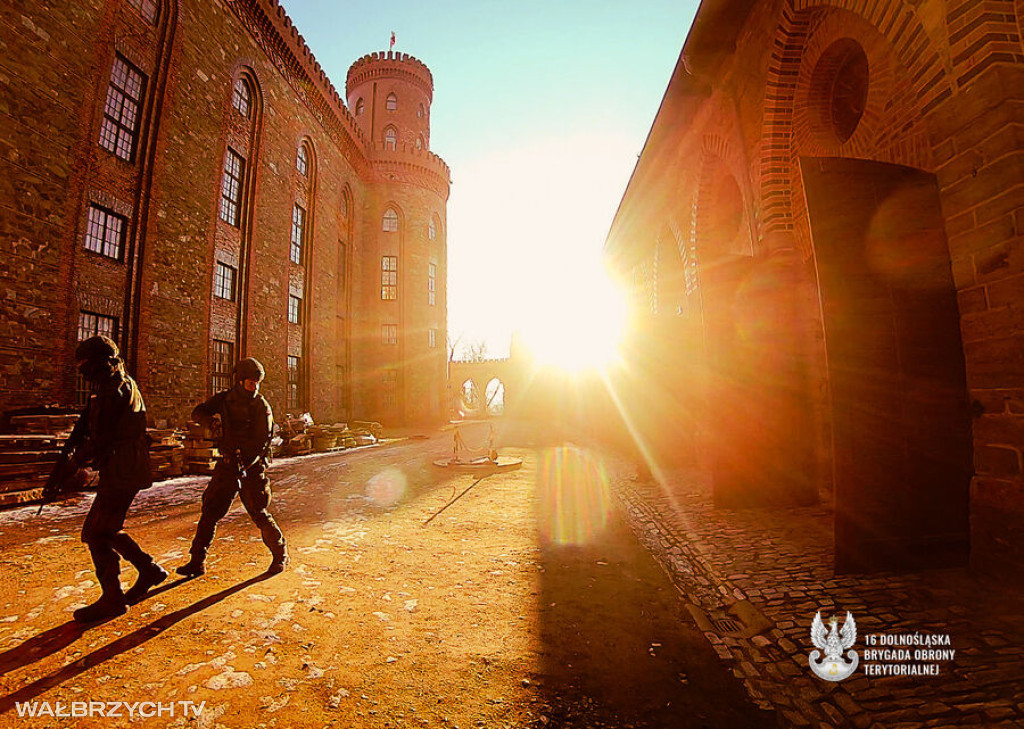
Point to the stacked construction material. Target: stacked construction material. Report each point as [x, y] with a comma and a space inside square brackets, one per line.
[25, 463]
[52, 424]
[166, 452]
[297, 441]
[200, 450]
[323, 438]
[366, 431]
[28, 454]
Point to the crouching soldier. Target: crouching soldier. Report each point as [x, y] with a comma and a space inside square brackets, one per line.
[111, 434]
[246, 424]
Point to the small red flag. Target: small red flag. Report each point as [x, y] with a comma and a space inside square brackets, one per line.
[392, 41]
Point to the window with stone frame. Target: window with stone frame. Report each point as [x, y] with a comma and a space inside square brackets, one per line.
[389, 223]
[432, 284]
[392, 102]
[122, 108]
[147, 8]
[389, 334]
[298, 230]
[389, 278]
[241, 98]
[432, 229]
[390, 138]
[389, 387]
[224, 281]
[91, 324]
[222, 363]
[231, 187]
[294, 383]
[294, 309]
[301, 160]
[105, 232]
[432, 338]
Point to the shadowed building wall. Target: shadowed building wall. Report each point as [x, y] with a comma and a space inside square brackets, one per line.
[841, 185]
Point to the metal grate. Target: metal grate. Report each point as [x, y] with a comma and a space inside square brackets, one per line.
[726, 625]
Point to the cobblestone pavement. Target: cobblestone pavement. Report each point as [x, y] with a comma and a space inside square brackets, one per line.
[756, 578]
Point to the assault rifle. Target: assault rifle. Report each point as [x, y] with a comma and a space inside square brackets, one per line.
[61, 478]
[66, 468]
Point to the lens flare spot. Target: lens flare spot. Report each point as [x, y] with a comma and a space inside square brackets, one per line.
[575, 496]
[386, 488]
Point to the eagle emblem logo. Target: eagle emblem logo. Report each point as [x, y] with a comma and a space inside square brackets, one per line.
[833, 641]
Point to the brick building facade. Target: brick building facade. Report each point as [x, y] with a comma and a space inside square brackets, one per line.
[182, 175]
[823, 237]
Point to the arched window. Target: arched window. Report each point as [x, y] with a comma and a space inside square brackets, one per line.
[432, 229]
[419, 142]
[242, 97]
[148, 8]
[301, 160]
[389, 224]
[390, 138]
[419, 111]
[360, 107]
[392, 102]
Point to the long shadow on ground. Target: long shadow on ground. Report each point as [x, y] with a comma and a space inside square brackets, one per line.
[617, 649]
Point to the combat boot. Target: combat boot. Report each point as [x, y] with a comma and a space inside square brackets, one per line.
[110, 605]
[193, 568]
[148, 577]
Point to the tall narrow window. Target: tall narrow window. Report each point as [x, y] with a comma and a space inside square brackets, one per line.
[389, 382]
[121, 110]
[390, 138]
[360, 107]
[294, 378]
[301, 161]
[342, 266]
[432, 284]
[389, 334]
[389, 278]
[294, 309]
[147, 8]
[105, 232]
[231, 187]
[298, 227]
[241, 98]
[89, 325]
[389, 224]
[222, 362]
[392, 102]
[224, 281]
[432, 338]
[432, 229]
[419, 111]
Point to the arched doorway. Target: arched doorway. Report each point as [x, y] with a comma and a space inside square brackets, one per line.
[494, 397]
[897, 381]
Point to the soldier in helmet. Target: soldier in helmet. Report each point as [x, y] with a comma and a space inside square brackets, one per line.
[111, 434]
[246, 424]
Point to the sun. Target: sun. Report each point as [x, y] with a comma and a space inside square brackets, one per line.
[577, 325]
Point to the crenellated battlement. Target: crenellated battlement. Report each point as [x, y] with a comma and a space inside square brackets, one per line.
[414, 164]
[389, 64]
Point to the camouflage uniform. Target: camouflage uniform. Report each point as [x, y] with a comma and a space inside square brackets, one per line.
[111, 433]
[247, 424]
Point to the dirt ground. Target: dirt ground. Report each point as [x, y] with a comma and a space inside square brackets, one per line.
[527, 603]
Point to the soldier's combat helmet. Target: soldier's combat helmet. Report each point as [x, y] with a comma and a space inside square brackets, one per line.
[249, 369]
[96, 349]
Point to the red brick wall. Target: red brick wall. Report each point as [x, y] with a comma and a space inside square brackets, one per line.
[53, 167]
[946, 96]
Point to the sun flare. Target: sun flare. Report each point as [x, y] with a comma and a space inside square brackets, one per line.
[578, 326]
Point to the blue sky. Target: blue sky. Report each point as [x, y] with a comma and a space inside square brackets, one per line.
[540, 109]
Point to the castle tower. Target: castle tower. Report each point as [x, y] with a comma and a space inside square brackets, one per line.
[389, 94]
[403, 313]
